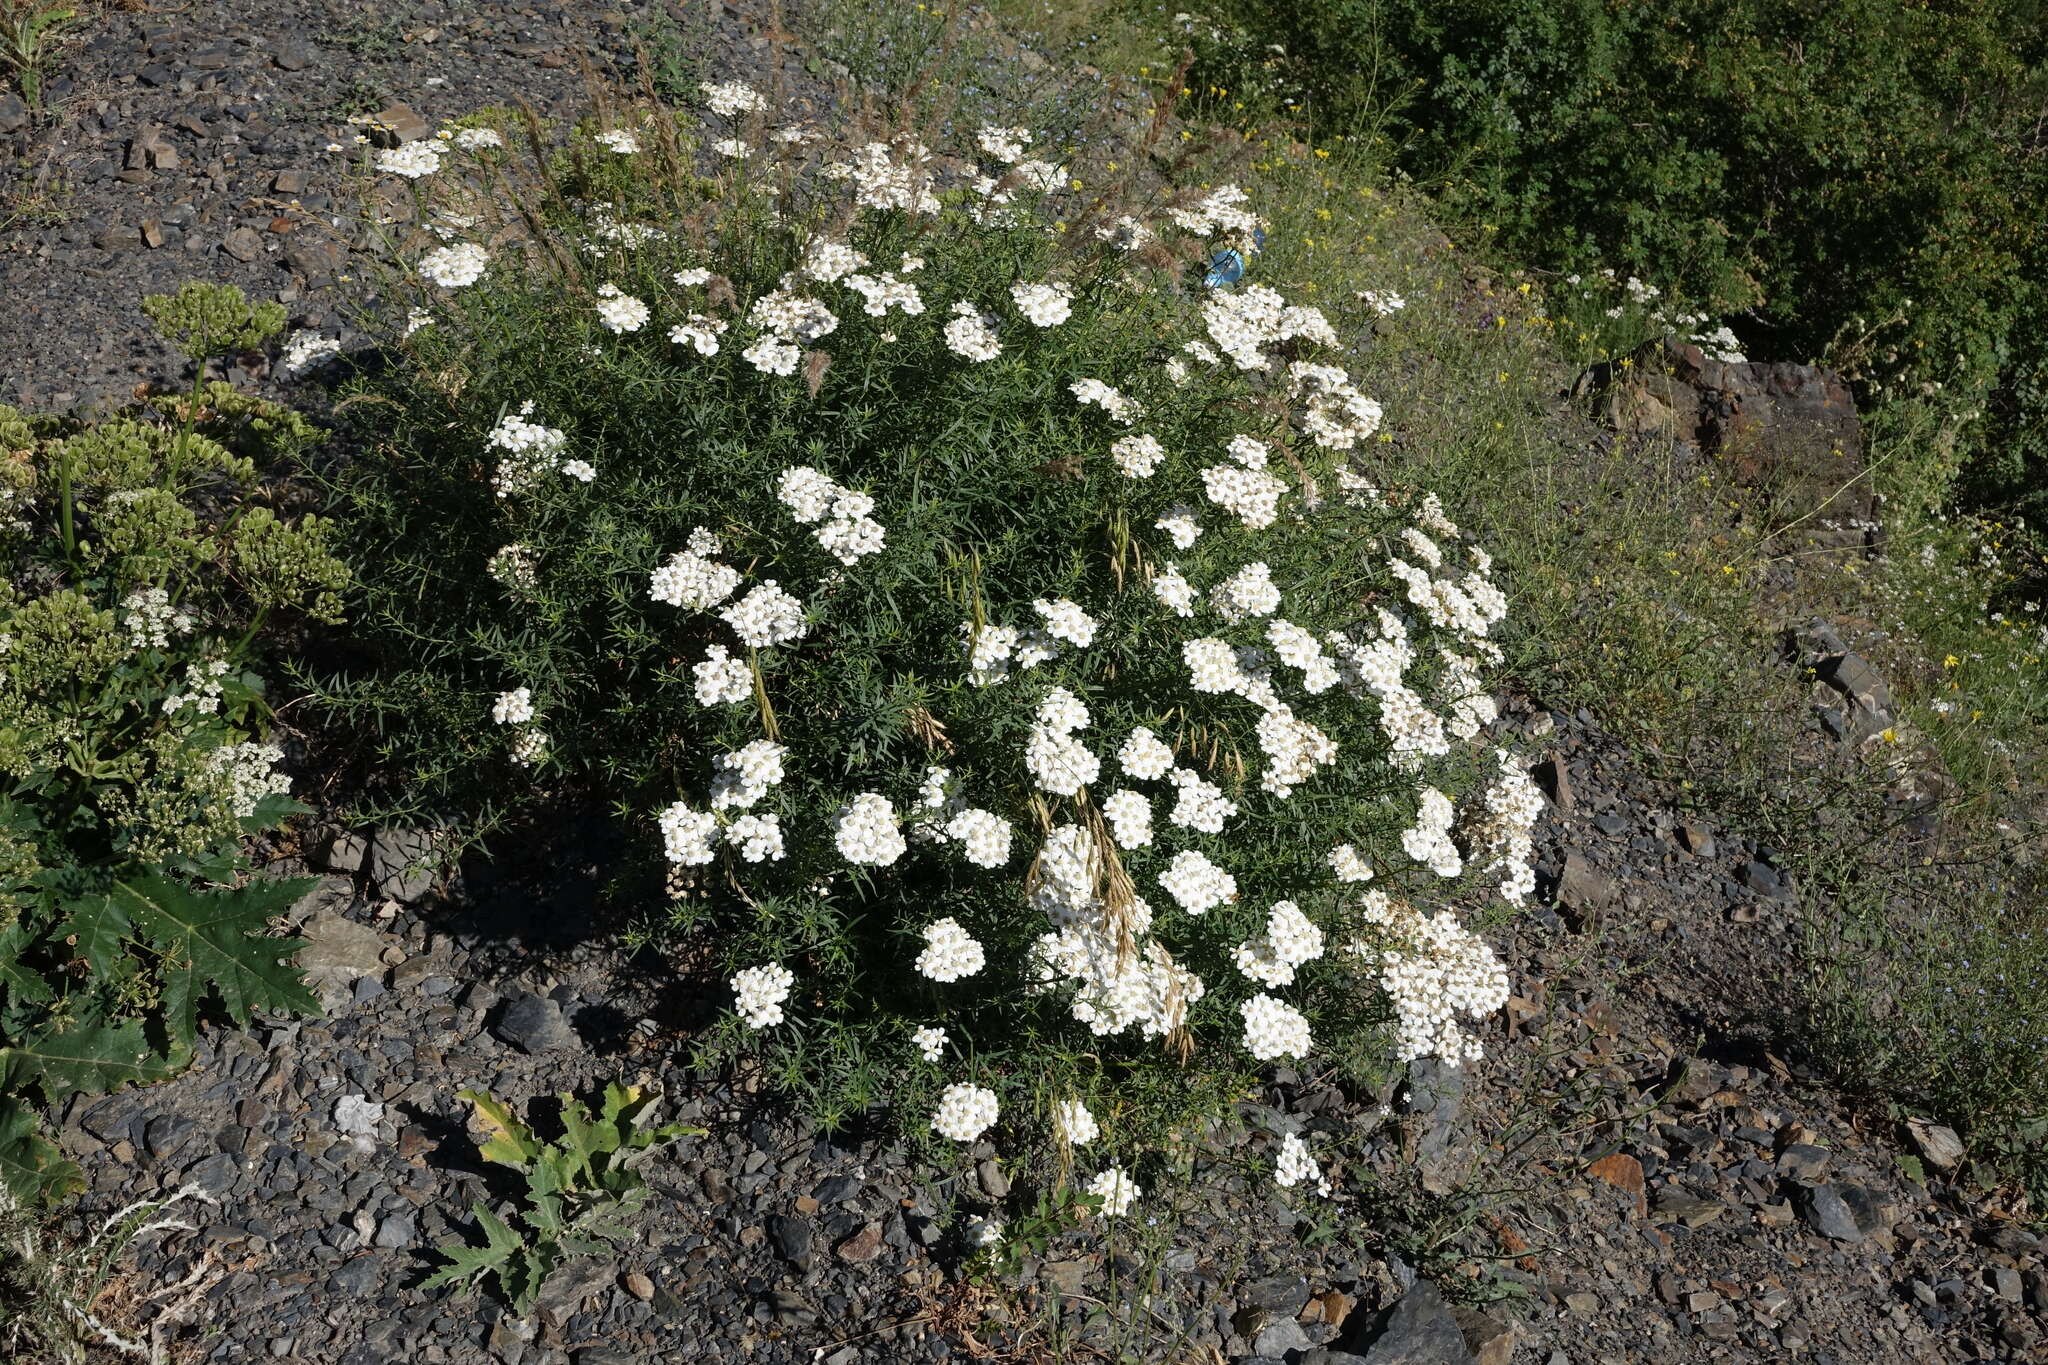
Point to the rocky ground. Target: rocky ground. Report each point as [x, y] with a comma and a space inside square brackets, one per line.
[1642, 1171]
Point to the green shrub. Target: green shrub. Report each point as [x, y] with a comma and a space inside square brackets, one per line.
[1863, 168]
[142, 562]
[811, 515]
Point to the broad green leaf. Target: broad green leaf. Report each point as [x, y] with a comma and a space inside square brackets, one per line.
[27, 986]
[93, 1058]
[32, 1169]
[101, 927]
[219, 936]
[583, 1142]
[511, 1142]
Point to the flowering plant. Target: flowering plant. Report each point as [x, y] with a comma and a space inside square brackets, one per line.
[146, 557]
[999, 639]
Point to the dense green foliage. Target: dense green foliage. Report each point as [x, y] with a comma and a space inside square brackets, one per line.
[1864, 176]
[144, 558]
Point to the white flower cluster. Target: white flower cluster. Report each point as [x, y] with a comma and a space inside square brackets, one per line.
[700, 333]
[529, 745]
[203, 683]
[514, 707]
[1202, 804]
[1247, 593]
[413, 160]
[866, 831]
[1129, 815]
[1415, 731]
[1119, 984]
[950, 952]
[758, 838]
[1144, 755]
[1098, 394]
[1116, 1190]
[1464, 693]
[150, 619]
[881, 181]
[1273, 1029]
[619, 140]
[1246, 488]
[771, 354]
[883, 292]
[965, 1112]
[1334, 414]
[515, 567]
[761, 991]
[721, 680]
[1498, 828]
[1221, 210]
[689, 837]
[1178, 521]
[1196, 883]
[931, 1042]
[1299, 648]
[730, 99]
[1434, 970]
[531, 451]
[742, 778]
[766, 616]
[845, 530]
[1294, 749]
[1066, 622]
[971, 334]
[1349, 864]
[452, 267]
[792, 316]
[1291, 939]
[1295, 1166]
[1138, 456]
[1429, 841]
[306, 351]
[249, 774]
[1043, 305]
[1004, 144]
[1385, 302]
[1073, 1124]
[983, 836]
[1173, 590]
[1243, 322]
[692, 579]
[478, 139]
[1058, 762]
[620, 312]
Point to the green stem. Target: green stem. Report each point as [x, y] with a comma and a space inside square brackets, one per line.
[64, 507]
[176, 471]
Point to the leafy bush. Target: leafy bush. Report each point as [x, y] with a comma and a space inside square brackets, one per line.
[581, 1192]
[145, 556]
[1871, 167]
[941, 576]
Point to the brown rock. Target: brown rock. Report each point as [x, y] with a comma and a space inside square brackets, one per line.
[243, 244]
[639, 1286]
[862, 1246]
[1491, 1342]
[1937, 1143]
[1583, 888]
[396, 124]
[1625, 1173]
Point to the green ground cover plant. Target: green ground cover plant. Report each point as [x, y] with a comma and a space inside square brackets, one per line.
[145, 562]
[1869, 170]
[969, 597]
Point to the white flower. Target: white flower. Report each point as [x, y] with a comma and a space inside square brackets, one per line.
[988, 653]
[1144, 755]
[950, 952]
[1004, 144]
[1433, 971]
[688, 836]
[1499, 825]
[1349, 866]
[730, 99]
[1251, 495]
[732, 148]
[1272, 1029]
[414, 160]
[1073, 1124]
[514, 567]
[1295, 1165]
[971, 334]
[513, 707]
[476, 139]
[619, 140]
[1202, 804]
[307, 350]
[1043, 305]
[757, 837]
[931, 1042]
[766, 616]
[700, 333]
[1060, 763]
[1196, 883]
[1290, 940]
[984, 837]
[1385, 302]
[583, 471]
[1174, 592]
[984, 1232]
[772, 355]
[1116, 1190]
[1247, 593]
[1138, 456]
[743, 778]
[620, 312]
[1101, 395]
[1130, 818]
[883, 292]
[1429, 841]
[866, 831]
[691, 580]
[761, 991]
[965, 1112]
[1178, 521]
[1066, 621]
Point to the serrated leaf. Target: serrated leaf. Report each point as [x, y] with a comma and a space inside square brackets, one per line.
[26, 985]
[500, 1245]
[32, 1169]
[218, 936]
[511, 1142]
[101, 927]
[92, 1059]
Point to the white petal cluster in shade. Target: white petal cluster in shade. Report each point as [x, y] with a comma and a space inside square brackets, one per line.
[950, 952]
[965, 1112]
[761, 992]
